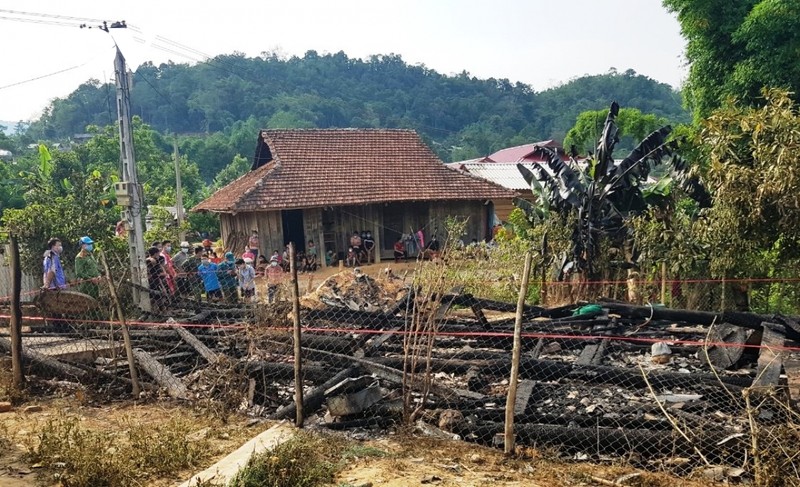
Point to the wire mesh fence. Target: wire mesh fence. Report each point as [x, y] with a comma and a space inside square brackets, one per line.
[664, 374]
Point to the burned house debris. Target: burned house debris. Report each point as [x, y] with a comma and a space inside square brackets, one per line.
[656, 386]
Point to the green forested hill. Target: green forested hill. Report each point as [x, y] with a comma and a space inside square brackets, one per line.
[230, 96]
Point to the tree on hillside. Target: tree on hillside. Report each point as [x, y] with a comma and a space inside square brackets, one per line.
[461, 115]
[632, 123]
[736, 48]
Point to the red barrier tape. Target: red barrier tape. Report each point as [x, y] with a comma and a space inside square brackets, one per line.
[455, 334]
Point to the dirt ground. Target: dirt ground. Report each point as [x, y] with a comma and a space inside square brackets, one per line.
[394, 460]
[309, 281]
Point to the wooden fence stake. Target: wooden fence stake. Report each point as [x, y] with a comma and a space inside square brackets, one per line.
[135, 389]
[512, 384]
[298, 364]
[16, 317]
[664, 283]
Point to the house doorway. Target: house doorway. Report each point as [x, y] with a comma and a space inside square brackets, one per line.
[392, 225]
[292, 221]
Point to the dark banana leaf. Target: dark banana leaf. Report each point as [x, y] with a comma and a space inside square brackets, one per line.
[604, 158]
[562, 181]
[635, 168]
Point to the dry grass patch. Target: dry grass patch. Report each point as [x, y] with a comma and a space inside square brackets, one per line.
[80, 457]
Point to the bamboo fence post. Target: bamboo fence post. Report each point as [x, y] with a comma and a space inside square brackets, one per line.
[512, 384]
[135, 389]
[16, 316]
[664, 283]
[298, 364]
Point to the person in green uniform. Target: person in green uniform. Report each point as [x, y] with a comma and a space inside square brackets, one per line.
[86, 270]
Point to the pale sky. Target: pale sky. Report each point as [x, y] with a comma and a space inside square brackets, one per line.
[542, 43]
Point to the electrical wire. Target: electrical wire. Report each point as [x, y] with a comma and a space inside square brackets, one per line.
[44, 76]
[52, 16]
[41, 21]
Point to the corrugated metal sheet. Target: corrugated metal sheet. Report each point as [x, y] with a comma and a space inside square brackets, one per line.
[505, 174]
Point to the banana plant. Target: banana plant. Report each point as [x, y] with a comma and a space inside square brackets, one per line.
[603, 192]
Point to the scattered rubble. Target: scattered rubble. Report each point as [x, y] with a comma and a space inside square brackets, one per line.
[610, 382]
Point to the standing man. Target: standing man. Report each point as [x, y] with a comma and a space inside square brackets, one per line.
[177, 264]
[369, 247]
[195, 285]
[208, 273]
[247, 280]
[156, 278]
[53, 272]
[252, 243]
[86, 270]
[355, 243]
[227, 278]
[274, 279]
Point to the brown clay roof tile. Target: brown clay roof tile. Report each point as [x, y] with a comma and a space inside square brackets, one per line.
[313, 168]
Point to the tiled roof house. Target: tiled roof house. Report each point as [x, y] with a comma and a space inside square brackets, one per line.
[324, 184]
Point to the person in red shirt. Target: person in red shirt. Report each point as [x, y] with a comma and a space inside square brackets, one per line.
[400, 251]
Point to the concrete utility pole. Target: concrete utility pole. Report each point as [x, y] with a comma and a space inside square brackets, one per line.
[178, 189]
[129, 194]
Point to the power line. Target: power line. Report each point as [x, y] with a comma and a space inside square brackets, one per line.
[44, 76]
[52, 16]
[41, 21]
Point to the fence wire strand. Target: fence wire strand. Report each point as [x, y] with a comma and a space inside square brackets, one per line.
[599, 380]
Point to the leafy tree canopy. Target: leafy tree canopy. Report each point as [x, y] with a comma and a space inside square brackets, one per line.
[632, 123]
[754, 153]
[736, 48]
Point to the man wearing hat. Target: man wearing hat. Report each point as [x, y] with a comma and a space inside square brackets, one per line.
[227, 278]
[86, 270]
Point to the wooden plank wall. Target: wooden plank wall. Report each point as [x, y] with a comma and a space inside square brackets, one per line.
[236, 231]
[473, 211]
[350, 219]
[503, 208]
[432, 217]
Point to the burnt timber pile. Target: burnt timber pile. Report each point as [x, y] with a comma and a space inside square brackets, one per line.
[596, 381]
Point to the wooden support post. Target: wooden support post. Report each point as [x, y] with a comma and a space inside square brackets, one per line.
[298, 350]
[126, 337]
[323, 251]
[664, 283]
[376, 229]
[512, 385]
[18, 379]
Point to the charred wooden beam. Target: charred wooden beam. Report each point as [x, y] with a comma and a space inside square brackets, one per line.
[315, 397]
[770, 358]
[210, 356]
[738, 318]
[161, 374]
[279, 371]
[612, 441]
